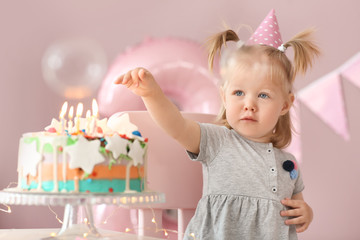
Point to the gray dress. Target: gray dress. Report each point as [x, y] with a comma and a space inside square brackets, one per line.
[243, 183]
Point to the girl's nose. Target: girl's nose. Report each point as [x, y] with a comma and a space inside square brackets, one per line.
[249, 105]
[250, 108]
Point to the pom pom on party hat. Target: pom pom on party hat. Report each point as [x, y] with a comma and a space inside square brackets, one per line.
[267, 33]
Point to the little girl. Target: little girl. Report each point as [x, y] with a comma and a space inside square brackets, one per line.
[251, 186]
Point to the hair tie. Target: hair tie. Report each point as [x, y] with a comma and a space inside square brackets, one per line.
[282, 48]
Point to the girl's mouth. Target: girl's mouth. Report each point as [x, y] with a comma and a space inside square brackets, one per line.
[248, 119]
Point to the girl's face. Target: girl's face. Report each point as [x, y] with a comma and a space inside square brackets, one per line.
[254, 102]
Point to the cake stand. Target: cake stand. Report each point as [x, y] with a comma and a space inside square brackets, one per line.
[79, 206]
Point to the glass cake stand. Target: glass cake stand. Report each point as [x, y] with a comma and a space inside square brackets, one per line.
[79, 205]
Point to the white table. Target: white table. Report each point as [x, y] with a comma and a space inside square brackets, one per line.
[37, 234]
[72, 229]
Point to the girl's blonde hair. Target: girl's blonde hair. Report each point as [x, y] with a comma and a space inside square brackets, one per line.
[305, 51]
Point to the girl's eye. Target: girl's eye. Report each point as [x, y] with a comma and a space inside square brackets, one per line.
[263, 95]
[239, 93]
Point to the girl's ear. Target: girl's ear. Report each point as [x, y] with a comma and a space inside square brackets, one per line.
[288, 104]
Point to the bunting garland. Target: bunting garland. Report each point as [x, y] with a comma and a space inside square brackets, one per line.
[325, 98]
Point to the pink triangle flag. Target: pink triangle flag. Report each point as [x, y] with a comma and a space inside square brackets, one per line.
[267, 33]
[325, 99]
[351, 70]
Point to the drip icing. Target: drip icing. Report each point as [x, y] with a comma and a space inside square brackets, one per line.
[64, 165]
[40, 168]
[127, 180]
[55, 156]
[87, 161]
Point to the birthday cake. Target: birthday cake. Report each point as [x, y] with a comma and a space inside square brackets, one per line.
[87, 156]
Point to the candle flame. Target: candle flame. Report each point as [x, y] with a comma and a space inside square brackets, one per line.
[79, 109]
[63, 109]
[95, 108]
[88, 114]
[71, 112]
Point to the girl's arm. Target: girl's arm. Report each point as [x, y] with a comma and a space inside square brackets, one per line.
[300, 211]
[162, 110]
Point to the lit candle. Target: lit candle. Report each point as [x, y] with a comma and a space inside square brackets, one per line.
[88, 121]
[70, 123]
[62, 115]
[95, 115]
[79, 111]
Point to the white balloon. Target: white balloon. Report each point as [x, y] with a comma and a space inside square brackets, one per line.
[74, 68]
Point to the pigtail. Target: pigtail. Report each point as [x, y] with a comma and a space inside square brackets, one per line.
[305, 50]
[216, 42]
[282, 134]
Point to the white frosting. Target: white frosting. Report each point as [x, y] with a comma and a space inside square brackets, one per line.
[136, 153]
[28, 158]
[117, 145]
[121, 124]
[84, 154]
[59, 141]
[54, 124]
[103, 124]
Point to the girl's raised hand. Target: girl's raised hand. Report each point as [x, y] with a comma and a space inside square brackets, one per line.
[140, 81]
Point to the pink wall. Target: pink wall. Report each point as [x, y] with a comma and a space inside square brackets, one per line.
[330, 165]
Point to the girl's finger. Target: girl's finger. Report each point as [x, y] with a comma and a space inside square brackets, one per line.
[126, 78]
[302, 228]
[129, 83]
[291, 213]
[142, 73]
[298, 220]
[119, 79]
[135, 77]
[291, 203]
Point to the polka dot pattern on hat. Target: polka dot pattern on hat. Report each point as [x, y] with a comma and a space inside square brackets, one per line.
[267, 33]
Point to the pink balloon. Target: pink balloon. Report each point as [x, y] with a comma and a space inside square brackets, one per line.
[178, 65]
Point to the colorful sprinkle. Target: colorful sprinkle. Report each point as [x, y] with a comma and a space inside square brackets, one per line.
[111, 190]
[52, 130]
[136, 133]
[124, 136]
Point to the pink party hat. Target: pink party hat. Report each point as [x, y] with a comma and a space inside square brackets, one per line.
[267, 33]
